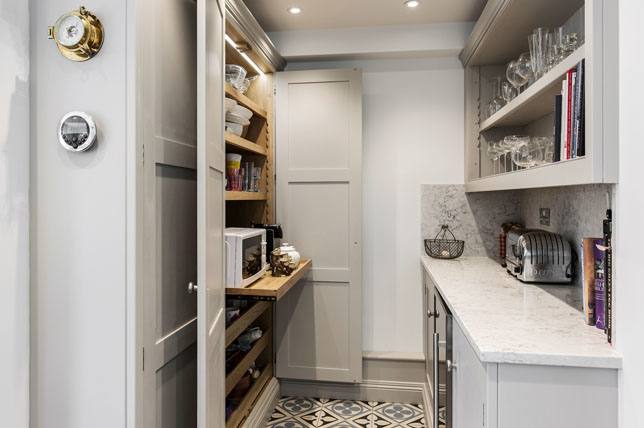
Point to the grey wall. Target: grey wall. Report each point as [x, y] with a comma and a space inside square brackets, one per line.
[14, 213]
[78, 226]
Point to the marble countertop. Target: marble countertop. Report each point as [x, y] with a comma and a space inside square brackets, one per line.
[507, 321]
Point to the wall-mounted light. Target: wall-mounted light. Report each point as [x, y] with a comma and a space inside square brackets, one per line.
[232, 43]
[412, 3]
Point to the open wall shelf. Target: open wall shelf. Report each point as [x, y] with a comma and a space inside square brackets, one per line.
[500, 35]
[537, 100]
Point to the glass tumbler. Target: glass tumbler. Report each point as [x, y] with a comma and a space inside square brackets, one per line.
[537, 43]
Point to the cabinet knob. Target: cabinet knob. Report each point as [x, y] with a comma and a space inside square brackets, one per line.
[431, 314]
[451, 366]
[192, 287]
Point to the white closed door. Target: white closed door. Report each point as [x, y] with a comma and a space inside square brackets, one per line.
[211, 325]
[319, 204]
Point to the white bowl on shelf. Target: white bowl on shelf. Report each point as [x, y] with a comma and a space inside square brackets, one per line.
[241, 111]
[235, 128]
[235, 118]
[229, 104]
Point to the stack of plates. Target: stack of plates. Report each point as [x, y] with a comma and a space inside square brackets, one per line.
[237, 118]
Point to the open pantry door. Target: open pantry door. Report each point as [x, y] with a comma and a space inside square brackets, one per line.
[211, 298]
[319, 204]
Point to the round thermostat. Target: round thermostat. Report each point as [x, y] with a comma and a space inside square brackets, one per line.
[77, 131]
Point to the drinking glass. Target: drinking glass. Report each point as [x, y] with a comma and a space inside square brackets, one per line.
[493, 152]
[570, 43]
[544, 149]
[513, 76]
[521, 154]
[497, 101]
[508, 91]
[537, 44]
[553, 51]
[524, 68]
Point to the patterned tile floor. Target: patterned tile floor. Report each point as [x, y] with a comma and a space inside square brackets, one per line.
[293, 412]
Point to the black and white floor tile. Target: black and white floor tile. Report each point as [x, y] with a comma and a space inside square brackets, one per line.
[294, 412]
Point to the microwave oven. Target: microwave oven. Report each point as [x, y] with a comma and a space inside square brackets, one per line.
[245, 256]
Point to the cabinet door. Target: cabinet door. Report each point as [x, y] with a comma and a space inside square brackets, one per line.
[319, 203]
[470, 385]
[428, 330]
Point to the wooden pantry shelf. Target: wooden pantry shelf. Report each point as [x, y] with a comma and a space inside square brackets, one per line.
[245, 320]
[537, 100]
[245, 196]
[246, 405]
[245, 101]
[271, 287]
[238, 372]
[243, 144]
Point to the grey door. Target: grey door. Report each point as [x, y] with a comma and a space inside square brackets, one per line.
[166, 88]
[319, 203]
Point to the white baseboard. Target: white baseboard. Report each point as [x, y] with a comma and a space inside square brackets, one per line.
[369, 390]
[264, 406]
[387, 376]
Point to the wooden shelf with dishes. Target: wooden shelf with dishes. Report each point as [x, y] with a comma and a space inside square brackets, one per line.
[500, 36]
[253, 140]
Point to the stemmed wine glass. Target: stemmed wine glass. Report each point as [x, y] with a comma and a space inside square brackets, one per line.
[497, 101]
[493, 152]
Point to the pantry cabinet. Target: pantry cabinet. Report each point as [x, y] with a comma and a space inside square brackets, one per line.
[501, 35]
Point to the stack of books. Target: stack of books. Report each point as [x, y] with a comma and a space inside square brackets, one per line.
[569, 116]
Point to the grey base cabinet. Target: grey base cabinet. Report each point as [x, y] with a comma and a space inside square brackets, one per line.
[504, 395]
[500, 395]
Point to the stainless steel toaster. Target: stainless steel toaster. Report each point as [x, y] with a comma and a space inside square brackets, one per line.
[534, 255]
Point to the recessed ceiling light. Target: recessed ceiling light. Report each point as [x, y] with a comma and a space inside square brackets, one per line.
[412, 3]
[294, 10]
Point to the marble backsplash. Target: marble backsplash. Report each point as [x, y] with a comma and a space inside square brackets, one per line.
[576, 212]
[474, 217]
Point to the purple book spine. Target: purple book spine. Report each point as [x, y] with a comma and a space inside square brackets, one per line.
[600, 292]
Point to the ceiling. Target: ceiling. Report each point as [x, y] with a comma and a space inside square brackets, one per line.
[317, 14]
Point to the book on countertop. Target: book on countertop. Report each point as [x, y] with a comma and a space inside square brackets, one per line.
[588, 278]
[608, 274]
[600, 291]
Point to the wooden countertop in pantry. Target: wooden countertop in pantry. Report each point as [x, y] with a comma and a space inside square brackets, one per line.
[272, 287]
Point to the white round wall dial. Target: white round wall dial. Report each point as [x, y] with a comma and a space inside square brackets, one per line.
[78, 34]
[77, 131]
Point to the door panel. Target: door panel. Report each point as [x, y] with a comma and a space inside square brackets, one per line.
[319, 203]
[210, 214]
[167, 213]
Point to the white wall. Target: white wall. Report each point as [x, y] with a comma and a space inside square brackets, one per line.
[412, 134]
[14, 213]
[629, 287]
[78, 229]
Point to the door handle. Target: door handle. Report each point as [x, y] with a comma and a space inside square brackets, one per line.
[192, 287]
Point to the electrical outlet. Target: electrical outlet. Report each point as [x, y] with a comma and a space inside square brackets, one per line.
[544, 216]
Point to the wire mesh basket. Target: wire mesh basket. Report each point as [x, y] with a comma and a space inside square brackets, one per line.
[442, 247]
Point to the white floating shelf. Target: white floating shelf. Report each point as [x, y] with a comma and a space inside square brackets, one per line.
[537, 100]
[565, 173]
